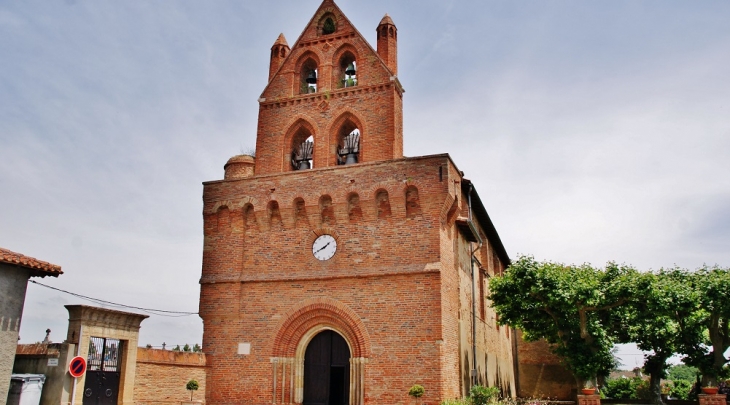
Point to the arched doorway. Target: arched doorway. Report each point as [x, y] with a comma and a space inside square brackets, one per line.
[327, 370]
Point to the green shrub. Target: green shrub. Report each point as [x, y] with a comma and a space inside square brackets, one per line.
[481, 395]
[416, 391]
[618, 388]
[680, 389]
[643, 390]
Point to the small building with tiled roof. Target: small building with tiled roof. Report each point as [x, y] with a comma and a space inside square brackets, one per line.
[15, 270]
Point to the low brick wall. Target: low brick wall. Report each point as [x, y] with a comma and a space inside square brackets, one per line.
[540, 373]
[162, 374]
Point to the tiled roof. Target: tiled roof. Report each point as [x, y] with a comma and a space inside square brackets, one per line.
[39, 267]
[281, 40]
[386, 20]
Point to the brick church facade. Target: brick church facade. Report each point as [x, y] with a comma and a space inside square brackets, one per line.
[336, 270]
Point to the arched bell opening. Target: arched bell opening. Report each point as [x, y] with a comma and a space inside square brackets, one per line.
[302, 150]
[327, 370]
[327, 24]
[346, 70]
[348, 144]
[308, 76]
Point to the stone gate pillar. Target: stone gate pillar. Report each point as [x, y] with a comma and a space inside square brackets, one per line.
[85, 322]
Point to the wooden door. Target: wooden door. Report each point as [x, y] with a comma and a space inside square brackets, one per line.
[327, 370]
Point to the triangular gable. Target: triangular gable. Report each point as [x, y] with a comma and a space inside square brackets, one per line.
[310, 34]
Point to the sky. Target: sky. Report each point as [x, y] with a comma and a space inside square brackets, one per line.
[593, 131]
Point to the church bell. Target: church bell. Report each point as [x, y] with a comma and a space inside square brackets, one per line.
[312, 77]
[351, 159]
[350, 71]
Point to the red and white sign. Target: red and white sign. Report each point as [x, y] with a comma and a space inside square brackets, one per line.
[77, 367]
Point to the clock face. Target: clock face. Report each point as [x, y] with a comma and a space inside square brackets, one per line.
[324, 247]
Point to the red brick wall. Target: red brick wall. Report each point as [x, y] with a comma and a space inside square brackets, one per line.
[255, 269]
[541, 374]
[161, 376]
[398, 274]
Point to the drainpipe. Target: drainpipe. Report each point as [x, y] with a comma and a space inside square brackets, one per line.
[473, 301]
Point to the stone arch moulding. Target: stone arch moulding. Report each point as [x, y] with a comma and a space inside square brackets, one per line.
[298, 124]
[308, 315]
[343, 116]
[299, 326]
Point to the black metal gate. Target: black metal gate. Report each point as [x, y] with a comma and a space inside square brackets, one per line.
[103, 368]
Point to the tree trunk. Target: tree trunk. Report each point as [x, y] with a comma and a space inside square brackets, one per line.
[655, 386]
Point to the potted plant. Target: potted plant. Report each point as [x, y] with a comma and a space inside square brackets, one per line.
[192, 386]
[710, 390]
[588, 388]
[416, 391]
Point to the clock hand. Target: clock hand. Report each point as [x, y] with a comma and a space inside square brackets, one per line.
[322, 248]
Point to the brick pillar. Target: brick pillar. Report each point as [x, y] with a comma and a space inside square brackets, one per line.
[715, 399]
[594, 399]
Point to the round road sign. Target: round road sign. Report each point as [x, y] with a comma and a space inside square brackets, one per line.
[77, 368]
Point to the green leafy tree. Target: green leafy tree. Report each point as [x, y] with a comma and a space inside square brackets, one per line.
[192, 386]
[712, 286]
[186, 348]
[176, 348]
[653, 320]
[197, 348]
[565, 305]
[682, 372]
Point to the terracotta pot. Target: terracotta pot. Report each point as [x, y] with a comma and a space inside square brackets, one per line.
[709, 390]
[588, 391]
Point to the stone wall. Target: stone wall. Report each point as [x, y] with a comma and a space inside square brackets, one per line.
[34, 359]
[161, 376]
[13, 284]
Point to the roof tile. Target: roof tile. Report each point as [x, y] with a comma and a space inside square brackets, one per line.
[41, 268]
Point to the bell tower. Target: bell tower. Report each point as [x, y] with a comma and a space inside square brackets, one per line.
[334, 269]
[331, 98]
